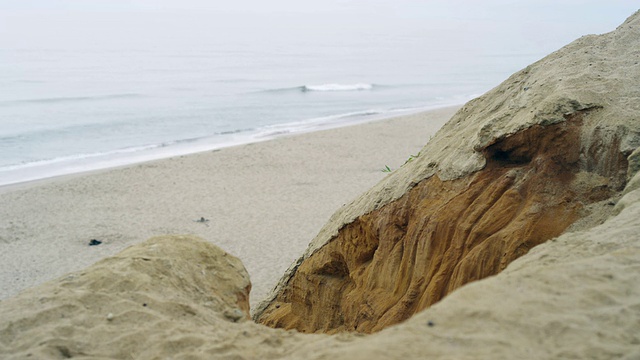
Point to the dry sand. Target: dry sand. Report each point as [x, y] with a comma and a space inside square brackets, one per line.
[264, 201]
[178, 297]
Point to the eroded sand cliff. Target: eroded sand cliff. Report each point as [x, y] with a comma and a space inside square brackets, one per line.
[509, 171]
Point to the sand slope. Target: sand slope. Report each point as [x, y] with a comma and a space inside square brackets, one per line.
[577, 296]
[170, 296]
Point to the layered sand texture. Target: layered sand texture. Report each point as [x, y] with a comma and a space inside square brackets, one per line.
[511, 170]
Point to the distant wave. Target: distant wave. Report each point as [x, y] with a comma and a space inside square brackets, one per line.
[326, 88]
[330, 118]
[121, 151]
[236, 131]
[338, 120]
[68, 99]
[337, 87]
[41, 162]
[275, 130]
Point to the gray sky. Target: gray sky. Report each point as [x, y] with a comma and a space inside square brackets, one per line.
[510, 25]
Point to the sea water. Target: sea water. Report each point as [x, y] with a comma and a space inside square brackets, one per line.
[66, 110]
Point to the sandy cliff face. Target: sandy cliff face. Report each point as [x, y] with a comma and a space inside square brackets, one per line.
[509, 171]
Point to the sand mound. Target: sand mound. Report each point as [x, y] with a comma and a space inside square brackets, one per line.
[121, 306]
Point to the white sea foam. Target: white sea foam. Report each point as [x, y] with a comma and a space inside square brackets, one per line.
[338, 87]
[63, 165]
[75, 157]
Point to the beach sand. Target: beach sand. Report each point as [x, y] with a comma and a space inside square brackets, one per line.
[575, 296]
[264, 202]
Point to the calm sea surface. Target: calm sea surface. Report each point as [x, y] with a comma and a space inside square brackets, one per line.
[64, 111]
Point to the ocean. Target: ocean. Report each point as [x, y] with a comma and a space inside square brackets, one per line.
[66, 110]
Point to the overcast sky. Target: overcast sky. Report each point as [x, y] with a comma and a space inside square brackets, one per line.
[102, 23]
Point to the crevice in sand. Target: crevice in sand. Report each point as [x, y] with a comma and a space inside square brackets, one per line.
[409, 254]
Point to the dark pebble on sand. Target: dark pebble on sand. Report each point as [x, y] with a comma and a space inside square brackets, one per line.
[94, 242]
[430, 323]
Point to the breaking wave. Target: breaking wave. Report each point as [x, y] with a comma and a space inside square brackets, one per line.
[337, 87]
[325, 88]
[68, 99]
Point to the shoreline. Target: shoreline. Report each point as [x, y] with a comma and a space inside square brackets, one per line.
[122, 157]
[264, 201]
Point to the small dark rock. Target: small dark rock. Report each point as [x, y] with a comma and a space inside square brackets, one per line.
[430, 323]
[94, 242]
[145, 304]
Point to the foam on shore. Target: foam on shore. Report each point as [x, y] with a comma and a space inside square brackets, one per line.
[79, 163]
